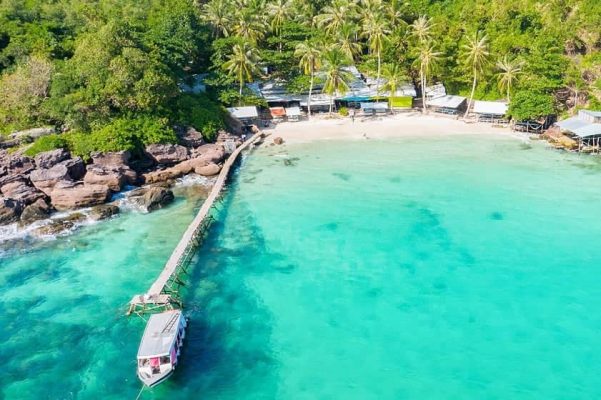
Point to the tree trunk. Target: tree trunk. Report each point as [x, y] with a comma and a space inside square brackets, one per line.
[423, 83]
[241, 86]
[469, 105]
[310, 92]
[378, 77]
[331, 103]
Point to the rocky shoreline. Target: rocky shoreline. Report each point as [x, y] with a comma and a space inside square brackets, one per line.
[36, 189]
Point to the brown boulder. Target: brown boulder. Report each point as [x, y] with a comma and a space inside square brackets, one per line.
[278, 140]
[210, 152]
[161, 175]
[49, 159]
[208, 170]
[99, 175]
[185, 167]
[19, 189]
[68, 195]
[35, 211]
[167, 153]
[110, 159]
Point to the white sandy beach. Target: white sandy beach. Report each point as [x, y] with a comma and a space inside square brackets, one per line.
[322, 128]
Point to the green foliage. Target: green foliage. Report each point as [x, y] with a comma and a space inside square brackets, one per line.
[343, 111]
[47, 143]
[531, 105]
[201, 113]
[126, 133]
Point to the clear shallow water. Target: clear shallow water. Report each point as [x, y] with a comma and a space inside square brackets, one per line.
[460, 267]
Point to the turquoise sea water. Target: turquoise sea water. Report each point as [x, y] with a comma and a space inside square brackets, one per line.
[419, 268]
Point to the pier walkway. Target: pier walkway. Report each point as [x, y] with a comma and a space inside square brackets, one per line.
[163, 293]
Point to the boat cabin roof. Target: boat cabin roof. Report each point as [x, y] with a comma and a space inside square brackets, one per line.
[159, 334]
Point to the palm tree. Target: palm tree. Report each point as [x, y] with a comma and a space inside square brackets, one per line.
[376, 29]
[310, 61]
[249, 26]
[427, 59]
[422, 28]
[346, 41]
[242, 64]
[279, 11]
[394, 79]
[337, 78]
[332, 17]
[509, 71]
[476, 55]
[217, 13]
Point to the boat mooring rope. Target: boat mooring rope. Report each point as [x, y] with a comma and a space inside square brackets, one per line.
[140, 392]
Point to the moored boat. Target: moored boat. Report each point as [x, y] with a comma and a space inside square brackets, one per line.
[160, 348]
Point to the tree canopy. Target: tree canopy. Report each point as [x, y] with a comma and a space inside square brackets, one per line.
[81, 65]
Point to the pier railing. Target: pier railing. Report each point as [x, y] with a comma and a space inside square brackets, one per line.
[163, 294]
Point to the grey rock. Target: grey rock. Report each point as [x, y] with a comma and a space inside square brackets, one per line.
[49, 159]
[111, 159]
[10, 210]
[103, 211]
[152, 198]
[34, 212]
[190, 137]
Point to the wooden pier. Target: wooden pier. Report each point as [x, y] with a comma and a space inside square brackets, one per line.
[163, 294]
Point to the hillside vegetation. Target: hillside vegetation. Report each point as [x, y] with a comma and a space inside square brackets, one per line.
[103, 67]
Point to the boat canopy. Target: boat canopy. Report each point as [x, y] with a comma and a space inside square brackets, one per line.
[159, 334]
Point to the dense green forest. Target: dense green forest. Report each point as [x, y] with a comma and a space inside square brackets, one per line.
[105, 70]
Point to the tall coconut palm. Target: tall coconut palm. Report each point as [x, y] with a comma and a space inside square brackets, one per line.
[310, 61]
[337, 78]
[346, 41]
[421, 28]
[427, 59]
[476, 56]
[280, 11]
[394, 77]
[332, 17]
[249, 26]
[508, 75]
[217, 13]
[242, 64]
[376, 29]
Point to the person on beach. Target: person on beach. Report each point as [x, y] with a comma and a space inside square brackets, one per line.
[353, 115]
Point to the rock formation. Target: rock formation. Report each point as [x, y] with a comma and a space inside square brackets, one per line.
[68, 195]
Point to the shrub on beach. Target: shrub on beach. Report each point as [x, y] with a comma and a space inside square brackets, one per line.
[343, 111]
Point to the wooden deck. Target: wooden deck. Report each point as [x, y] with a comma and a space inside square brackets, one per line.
[163, 293]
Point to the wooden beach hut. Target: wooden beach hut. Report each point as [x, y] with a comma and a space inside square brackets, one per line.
[293, 114]
[448, 104]
[371, 109]
[247, 115]
[585, 128]
[491, 111]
